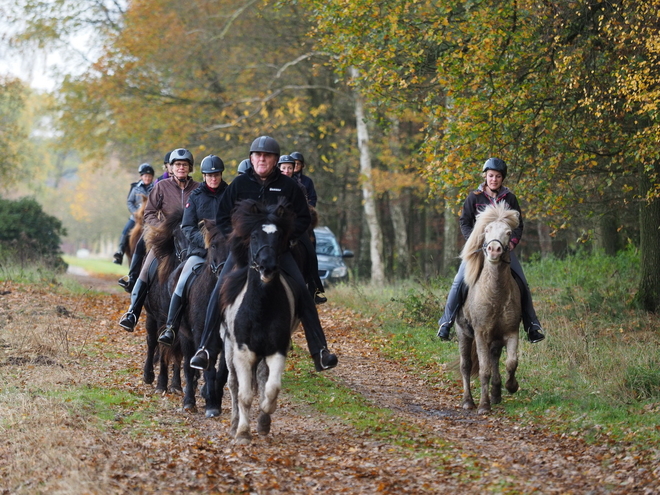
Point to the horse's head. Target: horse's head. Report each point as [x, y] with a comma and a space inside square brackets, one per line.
[496, 241]
[216, 245]
[266, 231]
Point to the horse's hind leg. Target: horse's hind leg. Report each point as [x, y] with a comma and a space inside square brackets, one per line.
[163, 374]
[512, 363]
[496, 380]
[175, 386]
[465, 350]
[485, 373]
[148, 370]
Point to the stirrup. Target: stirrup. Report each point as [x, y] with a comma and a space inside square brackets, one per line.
[535, 334]
[319, 297]
[443, 331]
[167, 337]
[128, 322]
[200, 361]
[324, 360]
[118, 258]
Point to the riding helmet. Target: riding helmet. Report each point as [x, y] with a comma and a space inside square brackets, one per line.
[212, 164]
[265, 144]
[167, 158]
[145, 168]
[286, 159]
[244, 166]
[495, 164]
[182, 154]
[298, 156]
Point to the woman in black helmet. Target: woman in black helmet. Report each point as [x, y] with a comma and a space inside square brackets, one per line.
[166, 197]
[264, 182]
[299, 162]
[491, 192]
[202, 205]
[139, 191]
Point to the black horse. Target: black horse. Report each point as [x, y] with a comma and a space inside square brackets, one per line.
[259, 309]
[197, 294]
[168, 243]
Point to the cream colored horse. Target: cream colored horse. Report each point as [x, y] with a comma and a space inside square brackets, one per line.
[490, 317]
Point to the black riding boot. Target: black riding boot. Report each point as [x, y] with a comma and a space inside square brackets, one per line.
[453, 304]
[136, 264]
[138, 296]
[174, 315]
[123, 245]
[200, 360]
[530, 320]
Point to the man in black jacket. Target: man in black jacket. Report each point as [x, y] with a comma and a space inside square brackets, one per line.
[264, 182]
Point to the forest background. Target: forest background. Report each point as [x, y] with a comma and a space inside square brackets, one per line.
[395, 105]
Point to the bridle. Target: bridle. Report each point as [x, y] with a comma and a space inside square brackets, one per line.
[254, 265]
[484, 246]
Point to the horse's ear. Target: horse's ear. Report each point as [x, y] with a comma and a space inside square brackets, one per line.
[254, 208]
[279, 211]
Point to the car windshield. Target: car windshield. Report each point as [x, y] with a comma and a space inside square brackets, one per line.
[327, 245]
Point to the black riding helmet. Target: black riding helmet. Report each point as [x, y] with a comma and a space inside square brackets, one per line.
[286, 159]
[145, 168]
[495, 164]
[298, 156]
[265, 144]
[166, 160]
[244, 166]
[212, 164]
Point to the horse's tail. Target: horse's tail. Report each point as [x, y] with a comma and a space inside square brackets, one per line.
[455, 366]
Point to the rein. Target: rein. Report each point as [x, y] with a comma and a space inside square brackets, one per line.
[505, 249]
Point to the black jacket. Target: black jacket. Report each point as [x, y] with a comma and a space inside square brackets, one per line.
[477, 200]
[276, 186]
[202, 204]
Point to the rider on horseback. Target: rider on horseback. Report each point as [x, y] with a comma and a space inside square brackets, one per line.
[202, 204]
[264, 182]
[491, 192]
[168, 195]
[139, 191]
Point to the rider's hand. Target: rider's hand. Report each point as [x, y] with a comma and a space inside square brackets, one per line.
[511, 246]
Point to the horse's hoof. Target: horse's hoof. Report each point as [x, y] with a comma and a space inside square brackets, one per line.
[468, 406]
[161, 390]
[513, 387]
[212, 413]
[176, 391]
[190, 408]
[496, 399]
[149, 378]
[484, 410]
[263, 424]
[243, 439]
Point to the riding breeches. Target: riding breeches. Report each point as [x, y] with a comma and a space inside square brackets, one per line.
[144, 271]
[191, 263]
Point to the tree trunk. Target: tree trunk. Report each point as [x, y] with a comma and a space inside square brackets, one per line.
[376, 244]
[648, 295]
[450, 259]
[545, 241]
[608, 238]
[396, 209]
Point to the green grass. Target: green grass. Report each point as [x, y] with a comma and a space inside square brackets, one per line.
[97, 266]
[596, 375]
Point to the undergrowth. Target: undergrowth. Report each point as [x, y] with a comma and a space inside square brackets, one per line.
[598, 371]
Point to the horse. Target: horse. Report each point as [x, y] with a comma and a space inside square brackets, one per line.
[136, 232]
[167, 242]
[259, 310]
[197, 294]
[490, 317]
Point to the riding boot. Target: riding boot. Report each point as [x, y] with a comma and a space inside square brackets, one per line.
[138, 296]
[136, 264]
[174, 315]
[118, 257]
[454, 302]
[531, 323]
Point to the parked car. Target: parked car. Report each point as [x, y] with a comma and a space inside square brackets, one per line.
[332, 268]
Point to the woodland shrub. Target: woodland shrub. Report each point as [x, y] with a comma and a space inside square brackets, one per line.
[28, 235]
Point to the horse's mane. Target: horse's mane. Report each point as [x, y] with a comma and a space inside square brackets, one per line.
[250, 214]
[471, 253]
[136, 231]
[160, 239]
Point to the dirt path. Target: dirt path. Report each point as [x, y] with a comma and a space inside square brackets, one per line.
[305, 453]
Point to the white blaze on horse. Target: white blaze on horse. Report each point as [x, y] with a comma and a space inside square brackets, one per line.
[259, 313]
[490, 317]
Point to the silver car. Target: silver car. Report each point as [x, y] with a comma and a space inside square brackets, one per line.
[332, 268]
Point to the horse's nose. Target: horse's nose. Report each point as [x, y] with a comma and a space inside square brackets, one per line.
[494, 248]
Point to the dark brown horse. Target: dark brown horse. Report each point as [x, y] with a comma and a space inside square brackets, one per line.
[197, 294]
[167, 242]
[136, 231]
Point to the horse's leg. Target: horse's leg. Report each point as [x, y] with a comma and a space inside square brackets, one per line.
[189, 401]
[244, 360]
[270, 381]
[215, 379]
[496, 380]
[485, 371]
[465, 344]
[163, 373]
[175, 386]
[512, 362]
[232, 382]
[148, 370]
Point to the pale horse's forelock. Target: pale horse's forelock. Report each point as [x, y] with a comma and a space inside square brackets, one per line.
[269, 228]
